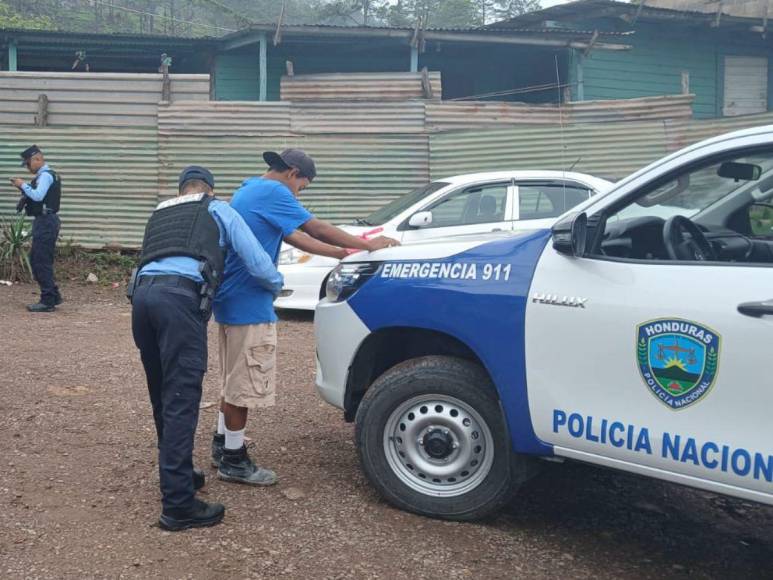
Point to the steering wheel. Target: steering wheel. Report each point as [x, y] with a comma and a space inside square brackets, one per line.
[685, 241]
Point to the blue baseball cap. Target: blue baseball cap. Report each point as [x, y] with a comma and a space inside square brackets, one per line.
[196, 172]
[27, 154]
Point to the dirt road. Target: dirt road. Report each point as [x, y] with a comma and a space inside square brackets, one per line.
[79, 490]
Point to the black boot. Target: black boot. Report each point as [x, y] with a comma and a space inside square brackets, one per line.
[199, 479]
[237, 466]
[218, 443]
[200, 515]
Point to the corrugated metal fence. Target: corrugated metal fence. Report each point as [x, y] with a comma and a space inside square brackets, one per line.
[367, 155]
[109, 179]
[93, 99]
[379, 87]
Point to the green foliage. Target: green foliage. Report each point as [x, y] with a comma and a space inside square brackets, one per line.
[15, 237]
[712, 361]
[642, 353]
[75, 263]
[10, 17]
[217, 17]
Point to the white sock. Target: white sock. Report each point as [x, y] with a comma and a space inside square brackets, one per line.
[234, 439]
[220, 423]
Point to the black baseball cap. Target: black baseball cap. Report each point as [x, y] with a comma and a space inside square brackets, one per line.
[196, 172]
[27, 154]
[292, 159]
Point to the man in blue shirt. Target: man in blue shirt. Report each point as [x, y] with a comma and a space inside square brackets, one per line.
[40, 199]
[245, 311]
[181, 265]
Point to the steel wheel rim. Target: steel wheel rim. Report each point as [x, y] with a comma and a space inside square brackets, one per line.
[437, 424]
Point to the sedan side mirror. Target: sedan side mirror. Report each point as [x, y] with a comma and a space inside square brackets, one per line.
[421, 219]
[570, 235]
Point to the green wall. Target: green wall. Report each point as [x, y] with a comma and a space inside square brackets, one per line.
[467, 69]
[655, 63]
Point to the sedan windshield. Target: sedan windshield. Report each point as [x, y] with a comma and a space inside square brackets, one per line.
[398, 206]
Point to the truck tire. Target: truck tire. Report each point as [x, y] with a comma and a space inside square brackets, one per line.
[433, 440]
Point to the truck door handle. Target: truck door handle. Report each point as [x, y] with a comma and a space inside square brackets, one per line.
[497, 230]
[756, 309]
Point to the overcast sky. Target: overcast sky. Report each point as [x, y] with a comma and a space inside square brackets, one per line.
[549, 3]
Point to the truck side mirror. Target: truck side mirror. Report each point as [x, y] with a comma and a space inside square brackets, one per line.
[570, 235]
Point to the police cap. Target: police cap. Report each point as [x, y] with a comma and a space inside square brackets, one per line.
[196, 172]
[27, 154]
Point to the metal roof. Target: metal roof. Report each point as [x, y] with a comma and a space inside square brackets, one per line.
[589, 9]
[117, 38]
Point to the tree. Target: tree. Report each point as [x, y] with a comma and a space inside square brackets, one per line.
[504, 10]
[14, 17]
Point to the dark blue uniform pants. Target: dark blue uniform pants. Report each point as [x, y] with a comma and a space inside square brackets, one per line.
[45, 231]
[171, 333]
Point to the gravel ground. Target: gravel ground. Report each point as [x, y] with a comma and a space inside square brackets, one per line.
[79, 490]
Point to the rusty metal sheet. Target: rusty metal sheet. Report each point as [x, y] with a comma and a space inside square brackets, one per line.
[397, 86]
[358, 117]
[93, 99]
[223, 118]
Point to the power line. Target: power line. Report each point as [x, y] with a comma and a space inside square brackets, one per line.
[154, 15]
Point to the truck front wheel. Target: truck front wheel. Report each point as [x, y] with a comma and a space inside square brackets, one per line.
[433, 440]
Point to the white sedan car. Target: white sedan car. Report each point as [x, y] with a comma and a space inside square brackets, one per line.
[461, 205]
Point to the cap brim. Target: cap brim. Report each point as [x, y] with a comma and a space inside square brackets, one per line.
[273, 159]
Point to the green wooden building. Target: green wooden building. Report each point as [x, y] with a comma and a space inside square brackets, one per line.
[724, 60]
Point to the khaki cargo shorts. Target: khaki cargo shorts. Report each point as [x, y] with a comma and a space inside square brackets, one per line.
[248, 364]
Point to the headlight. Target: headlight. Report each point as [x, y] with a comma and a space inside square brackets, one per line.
[346, 279]
[293, 256]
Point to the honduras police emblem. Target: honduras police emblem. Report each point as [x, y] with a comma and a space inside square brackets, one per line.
[678, 360]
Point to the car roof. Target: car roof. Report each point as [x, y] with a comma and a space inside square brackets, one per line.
[468, 178]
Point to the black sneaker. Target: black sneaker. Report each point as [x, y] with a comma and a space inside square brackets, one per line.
[40, 307]
[237, 466]
[200, 515]
[218, 443]
[199, 479]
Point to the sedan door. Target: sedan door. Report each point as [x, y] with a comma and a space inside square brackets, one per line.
[539, 203]
[473, 209]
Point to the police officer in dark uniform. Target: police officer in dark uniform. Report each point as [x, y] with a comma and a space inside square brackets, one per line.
[40, 199]
[183, 254]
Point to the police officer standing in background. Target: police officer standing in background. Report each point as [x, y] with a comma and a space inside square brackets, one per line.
[181, 265]
[40, 199]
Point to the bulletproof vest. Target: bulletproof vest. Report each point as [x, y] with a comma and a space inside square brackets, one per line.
[50, 201]
[182, 226]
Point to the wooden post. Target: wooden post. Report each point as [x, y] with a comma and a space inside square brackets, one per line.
[580, 72]
[685, 82]
[414, 59]
[41, 119]
[12, 62]
[426, 85]
[263, 69]
[166, 83]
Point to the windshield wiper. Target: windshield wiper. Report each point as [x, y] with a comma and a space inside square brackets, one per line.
[362, 222]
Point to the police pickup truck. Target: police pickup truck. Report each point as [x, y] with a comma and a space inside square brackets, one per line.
[635, 334]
